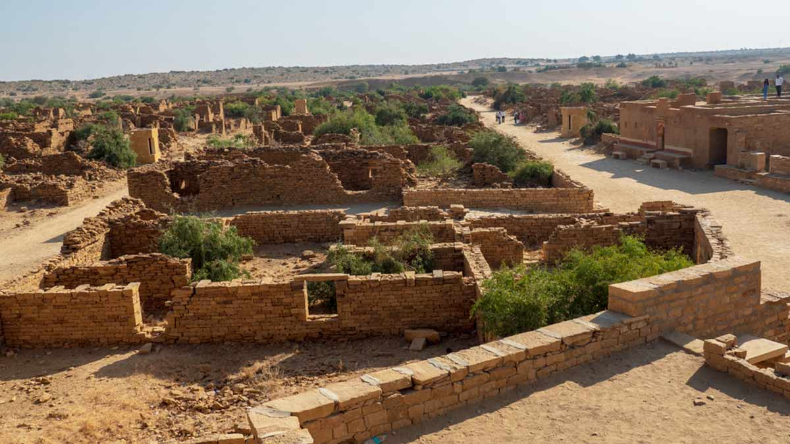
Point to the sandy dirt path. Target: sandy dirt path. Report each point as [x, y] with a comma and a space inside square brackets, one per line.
[23, 250]
[645, 395]
[756, 221]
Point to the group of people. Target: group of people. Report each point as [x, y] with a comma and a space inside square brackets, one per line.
[778, 82]
[500, 117]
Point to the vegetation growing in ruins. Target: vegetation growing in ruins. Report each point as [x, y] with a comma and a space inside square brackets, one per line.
[511, 95]
[237, 141]
[389, 113]
[521, 299]
[184, 119]
[441, 163]
[8, 116]
[456, 115]
[215, 250]
[532, 173]
[783, 70]
[440, 92]
[415, 110]
[592, 131]
[111, 146]
[480, 82]
[2, 161]
[496, 149]
[342, 122]
[411, 251]
[654, 82]
[585, 94]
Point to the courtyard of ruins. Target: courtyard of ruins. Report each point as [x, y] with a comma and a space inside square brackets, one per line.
[365, 260]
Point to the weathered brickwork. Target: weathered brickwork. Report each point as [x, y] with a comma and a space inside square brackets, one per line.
[109, 314]
[413, 214]
[706, 301]
[485, 175]
[725, 356]
[356, 232]
[157, 274]
[537, 200]
[6, 197]
[366, 306]
[381, 402]
[498, 247]
[276, 227]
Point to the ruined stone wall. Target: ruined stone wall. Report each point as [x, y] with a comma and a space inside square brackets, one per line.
[485, 175]
[448, 256]
[55, 190]
[539, 200]
[157, 274]
[723, 357]
[534, 229]
[411, 214]
[357, 232]
[6, 197]
[68, 164]
[709, 241]
[366, 170]
[104, 315]
[561, 180]
[276, 227]
[387, 400]
[137, 233]
[498, 247]
[366, 306]
[779, 165]
[706, 301]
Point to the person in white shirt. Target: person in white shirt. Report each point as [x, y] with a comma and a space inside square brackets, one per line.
[779, 82]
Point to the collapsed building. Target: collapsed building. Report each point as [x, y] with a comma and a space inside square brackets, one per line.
[46, 134]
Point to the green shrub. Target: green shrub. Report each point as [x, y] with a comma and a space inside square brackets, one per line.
[342, 122]
[415, 110]
[389, 113]
[96, 94]
[111, 146]
[522, 299]
[184, 120]
[8, 116]
[237, 141]
[442, 163]
[83, 132]
[591, 133]
[532, 173]
[783, 70]
[322, 293]
[2, 161]
[456, 115]
[672, 93]
[349, 263]
[480, 82]
[654, 82]
[496, 149]
[236, 109]
[393, 134]
[511, 95]
[409, 251]
[587, 93]
[215, 250]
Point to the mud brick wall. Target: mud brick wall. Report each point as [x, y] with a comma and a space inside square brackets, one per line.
[359, 233]
[709, 241]
[485, 175]
[538, 200]
[498, 247]
[384, 401]
[448, 256]
[55, 190]
[722, 357]
[410, 214]
[138, 233]
[561, 180]
[6, 197]
[276, 227]
[104, 315]
[360, 170]
[157, 274]
[530, 229]
[366, 306]
[706, 301]
[779, 165]
[581, 236]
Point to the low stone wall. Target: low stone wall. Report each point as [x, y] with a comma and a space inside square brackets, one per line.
[779, 165]
[485, 175]
[706, 301]
[104, 315]
[776, 182]
[366, 306]
[721, 355]
[537, 200]
[709, 241]
[415, 214]
[384, 401]
[561, 180]
[157, 274]
[6, 197]
[276, 227]
[359, 233]
[498, 247]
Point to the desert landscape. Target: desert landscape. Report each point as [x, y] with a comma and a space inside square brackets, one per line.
[503, 249]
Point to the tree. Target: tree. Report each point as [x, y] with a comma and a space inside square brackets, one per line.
[619, 57]
[597, 59]
[631, 57]
[584, 59]
[479, 82]
[111, 146]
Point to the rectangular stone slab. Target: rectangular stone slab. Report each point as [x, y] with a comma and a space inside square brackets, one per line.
[426, 373]
[537, 343]
[265, 421]
[759, 349]
[389, 380]
[569, 331]
[352, 393]
[307, 406]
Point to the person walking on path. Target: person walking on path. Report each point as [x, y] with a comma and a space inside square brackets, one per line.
[766, 84]
[779, 82]
[497, 117]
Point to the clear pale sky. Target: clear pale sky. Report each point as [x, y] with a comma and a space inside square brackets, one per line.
[81, 39]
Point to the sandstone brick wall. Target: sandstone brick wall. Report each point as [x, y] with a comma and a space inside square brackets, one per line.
[448, 256]
[275, 227]
[157, 274]
[538, 200]
[581, 236]
[485, 175]
[780, 165]
[104, 315]
[498, 247]
[530, 229]
[55, 190]
[706, 301]
[561, 180]
[709, 241]
[723, 358]
[357, 232]
[6, 197]
[384, 401]
[410, 214]
[366, 306]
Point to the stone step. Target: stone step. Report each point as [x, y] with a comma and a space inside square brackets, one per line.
[619, 155]
[689, 344]
[658, 163]
[760, 349]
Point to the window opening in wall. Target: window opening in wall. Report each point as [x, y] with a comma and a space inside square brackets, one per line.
[151, 146]
[570, 122]
[321, 299]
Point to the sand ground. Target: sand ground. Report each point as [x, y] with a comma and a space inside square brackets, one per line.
[756, 221]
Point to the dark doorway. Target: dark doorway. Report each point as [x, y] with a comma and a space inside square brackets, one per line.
[717, 154]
